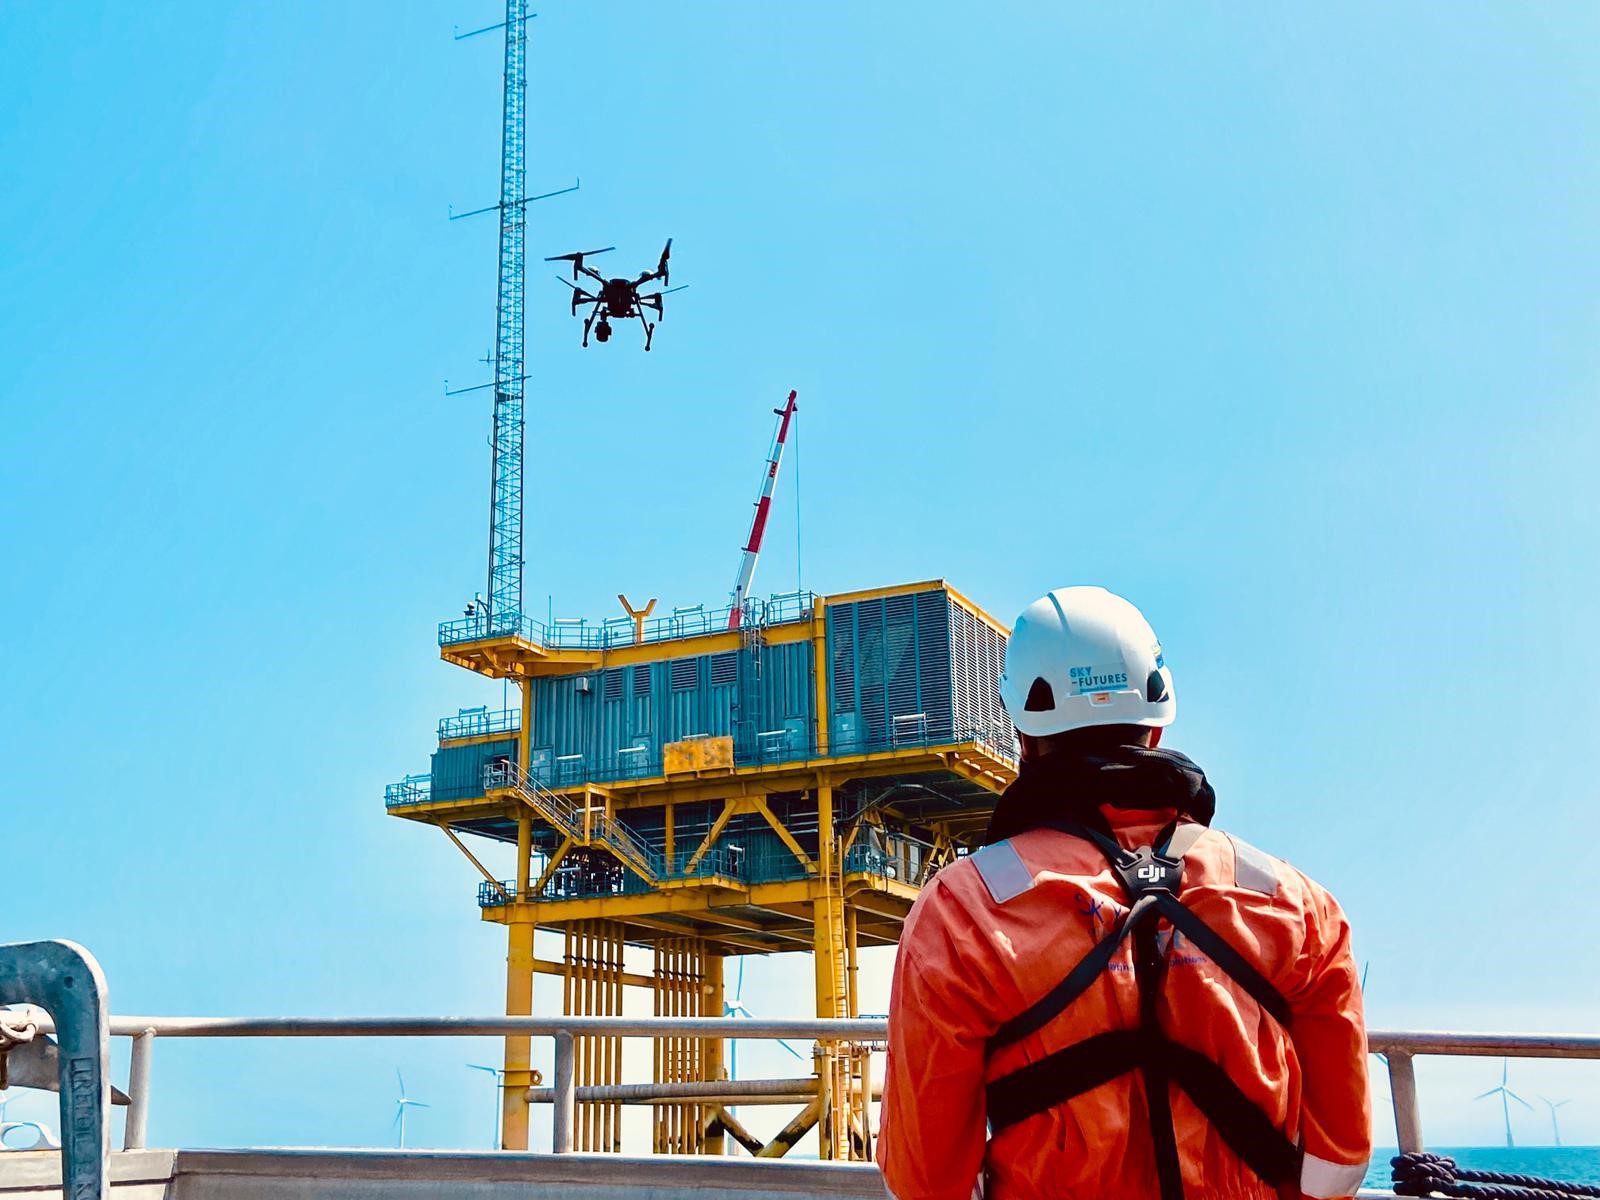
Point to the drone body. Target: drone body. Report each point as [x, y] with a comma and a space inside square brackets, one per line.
[616, 298]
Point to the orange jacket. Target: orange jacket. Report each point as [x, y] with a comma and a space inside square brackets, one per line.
[968, 962]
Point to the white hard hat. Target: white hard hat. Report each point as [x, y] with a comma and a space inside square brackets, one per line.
[1082, 656]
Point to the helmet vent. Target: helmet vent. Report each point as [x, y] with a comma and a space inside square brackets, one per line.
[1041, 697]
[1155, 687]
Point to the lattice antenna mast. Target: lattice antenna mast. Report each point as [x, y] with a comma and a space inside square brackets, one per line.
[758, 525]
[503, 606]
[505, 512]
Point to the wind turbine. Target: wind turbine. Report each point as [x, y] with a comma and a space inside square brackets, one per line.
[498, 1073]
[400, 1109]
[1555, 1125]
[1504, 1093]
[735, 1008]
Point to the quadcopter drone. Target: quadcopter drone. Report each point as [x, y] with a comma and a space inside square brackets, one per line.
[618, 298]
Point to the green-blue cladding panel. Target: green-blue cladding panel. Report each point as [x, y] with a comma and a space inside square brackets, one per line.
[613, 723]
[921, 658]
[977, 660]
[458, 770]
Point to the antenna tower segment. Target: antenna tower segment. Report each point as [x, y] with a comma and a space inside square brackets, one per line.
[758, 526]
[505, 515]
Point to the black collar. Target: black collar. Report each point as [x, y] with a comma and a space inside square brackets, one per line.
[1073, 786]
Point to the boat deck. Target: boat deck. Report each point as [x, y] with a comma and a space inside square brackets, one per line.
[445, 1175]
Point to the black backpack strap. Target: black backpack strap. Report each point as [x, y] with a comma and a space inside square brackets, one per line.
[1220, 951]
[1059, 1077]
[1149, 966]
[1086, 1065]
[1101, 837]
[1250, 1134]
[1090, 967]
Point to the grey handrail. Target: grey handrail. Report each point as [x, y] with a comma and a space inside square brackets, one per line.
[1398, 1048]
[63, 979]
[816, 1028]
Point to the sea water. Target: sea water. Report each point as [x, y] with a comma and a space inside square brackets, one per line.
[1570, 1164]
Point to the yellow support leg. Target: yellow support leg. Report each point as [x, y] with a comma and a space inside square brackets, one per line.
[518, 1063]
[524, 856]
[712, 1005]
[852, 963]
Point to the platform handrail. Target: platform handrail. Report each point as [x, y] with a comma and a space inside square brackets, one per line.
[480, 724]
[562, 634]
[413, 789]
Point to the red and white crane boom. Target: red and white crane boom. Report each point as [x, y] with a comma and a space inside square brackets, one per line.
[758, 526]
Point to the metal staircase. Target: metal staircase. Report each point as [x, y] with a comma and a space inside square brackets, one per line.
[585, 827]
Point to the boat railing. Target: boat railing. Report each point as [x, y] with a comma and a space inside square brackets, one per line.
[562, 1030]
[1398, 1050]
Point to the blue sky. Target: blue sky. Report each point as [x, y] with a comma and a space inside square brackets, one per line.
[1282, 323]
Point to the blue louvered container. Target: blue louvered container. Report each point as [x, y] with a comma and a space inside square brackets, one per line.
[915, 668]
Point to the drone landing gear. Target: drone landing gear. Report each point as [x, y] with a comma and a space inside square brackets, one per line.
[649, 330]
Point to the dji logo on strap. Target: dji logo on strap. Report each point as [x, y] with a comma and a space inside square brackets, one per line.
[1151, 873]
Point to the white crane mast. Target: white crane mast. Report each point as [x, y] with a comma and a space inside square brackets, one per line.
[758, 526]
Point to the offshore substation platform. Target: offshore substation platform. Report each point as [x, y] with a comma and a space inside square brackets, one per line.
[705, 792]
[781, 774]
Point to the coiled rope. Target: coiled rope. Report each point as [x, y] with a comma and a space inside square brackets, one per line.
[15, 1030]
[1434, 1174]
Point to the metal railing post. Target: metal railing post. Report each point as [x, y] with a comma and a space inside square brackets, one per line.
[63, 979]
[565, 1108]
[133, 1133]
[1403, 1089]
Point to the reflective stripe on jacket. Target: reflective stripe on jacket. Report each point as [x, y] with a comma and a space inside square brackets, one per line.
[975, 952]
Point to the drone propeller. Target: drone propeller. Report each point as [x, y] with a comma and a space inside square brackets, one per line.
[579, 296]
[578, 254]
[661, 267]
[576, 258]
[653, 299]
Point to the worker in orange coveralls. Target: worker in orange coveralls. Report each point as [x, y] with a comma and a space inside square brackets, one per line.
[1110, 998]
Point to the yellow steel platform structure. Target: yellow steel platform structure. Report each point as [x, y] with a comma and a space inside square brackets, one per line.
[706, 791]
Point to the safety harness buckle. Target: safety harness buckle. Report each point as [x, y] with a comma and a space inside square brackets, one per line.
[1143, 872]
